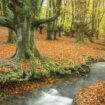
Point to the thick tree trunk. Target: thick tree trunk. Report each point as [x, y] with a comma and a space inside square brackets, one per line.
[25, 45]
[11, 36]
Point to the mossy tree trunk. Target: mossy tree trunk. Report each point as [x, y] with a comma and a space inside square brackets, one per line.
[54, 30]
[49, 35]
[49, 32]
[25, 42]
[80, 38]
[33, 45]
[11, 36]
[55, 35]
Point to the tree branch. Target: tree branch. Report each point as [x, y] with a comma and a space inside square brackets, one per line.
[37, 22]
[5, 22]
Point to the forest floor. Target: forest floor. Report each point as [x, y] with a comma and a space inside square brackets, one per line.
[92, 95]
[64, 50]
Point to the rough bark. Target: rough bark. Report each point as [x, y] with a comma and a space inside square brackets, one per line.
[55, 35]
[25, 43]
[33, 45]
[49, 35]
[11, 37]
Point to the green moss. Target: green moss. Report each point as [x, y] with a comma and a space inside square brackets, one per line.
[44, 68]
[90, 60]
[12, 37]
[40, 69]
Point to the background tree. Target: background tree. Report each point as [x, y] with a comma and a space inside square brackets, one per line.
[98, 12]
[6, 12]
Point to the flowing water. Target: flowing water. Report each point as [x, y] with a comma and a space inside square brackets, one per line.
[59, 94]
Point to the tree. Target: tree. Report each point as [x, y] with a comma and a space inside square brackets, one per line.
[53, 27]
[11, 36]
[24, 21]
[98, 12]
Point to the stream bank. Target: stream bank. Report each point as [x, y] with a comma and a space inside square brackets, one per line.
[65, 89]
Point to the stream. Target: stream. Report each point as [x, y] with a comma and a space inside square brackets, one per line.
[61, 93]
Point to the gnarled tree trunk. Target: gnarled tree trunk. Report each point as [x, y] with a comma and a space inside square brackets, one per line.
[25, 43]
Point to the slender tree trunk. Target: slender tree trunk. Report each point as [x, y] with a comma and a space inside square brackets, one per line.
[55, 35]
[41, 30]
[59, 33]
[80, 38]
[11, 37]
[97, 35]
[49, 35]
[49, 32]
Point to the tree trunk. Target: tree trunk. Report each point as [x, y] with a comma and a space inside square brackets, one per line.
[25, 43]
[97, 34]
[23, 46]
[49, 35]
[59, 33]
[55, 35]
[80, 38]
[41, 30]
[32, 44]
[11, 37]
[90, 38]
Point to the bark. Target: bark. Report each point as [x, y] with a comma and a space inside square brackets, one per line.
[90, 38]
[80, 38]
[33, 45]
[25, 43]
[23, 46]
[49, 35]
[41, 30]
[59, 33]
[55, 35]
[49, 32]
[11, 37]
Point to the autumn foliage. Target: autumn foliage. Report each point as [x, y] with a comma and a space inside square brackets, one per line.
[92, 95]
[64, 50]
